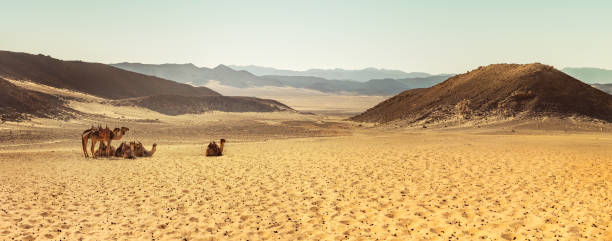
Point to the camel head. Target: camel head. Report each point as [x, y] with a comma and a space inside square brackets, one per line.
[119, 132]
[222, 141]
[124, 130]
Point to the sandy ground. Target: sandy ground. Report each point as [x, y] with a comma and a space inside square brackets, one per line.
[366, 185]
[292, 176]
[347, 105]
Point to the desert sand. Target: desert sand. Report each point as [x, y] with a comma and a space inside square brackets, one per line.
[345, 105]
[304, 177]
[297, 176]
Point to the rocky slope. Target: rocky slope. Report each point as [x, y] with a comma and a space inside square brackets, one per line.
[92, 78]
[494, 91]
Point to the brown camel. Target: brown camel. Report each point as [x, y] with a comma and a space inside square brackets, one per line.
[126, 150]
[100, 134]
[214, 150]
[140, 151]
[103, 149]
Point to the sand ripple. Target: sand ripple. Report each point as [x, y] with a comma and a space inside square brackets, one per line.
[410, 186]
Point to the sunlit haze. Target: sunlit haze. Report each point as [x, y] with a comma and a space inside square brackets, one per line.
[432, 36]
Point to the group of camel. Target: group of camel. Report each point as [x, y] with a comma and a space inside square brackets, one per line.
[105, 136]
[127, 150]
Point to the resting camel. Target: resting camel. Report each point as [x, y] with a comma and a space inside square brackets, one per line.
[214, 150]
[103, 135]
[126, 150]
[103, 149]
[137, 150]
[140, 151]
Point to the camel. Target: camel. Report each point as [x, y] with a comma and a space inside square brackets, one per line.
[140, 151]
[214, 150]
[102, 150]
[126, 150]
[103, 135]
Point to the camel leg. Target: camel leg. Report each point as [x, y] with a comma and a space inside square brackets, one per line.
[84, 139]
[93, 146]
[108, 149]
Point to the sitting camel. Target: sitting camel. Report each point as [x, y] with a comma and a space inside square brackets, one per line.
[214, 150]
[134, 149]
[126, 150]
[103, 149]
[102, 135]
[140, 151]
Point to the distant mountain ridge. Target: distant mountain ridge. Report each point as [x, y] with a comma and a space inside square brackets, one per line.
[361, 75]
[498, 90]
[371, 87]
[200, 76]
[590, 75]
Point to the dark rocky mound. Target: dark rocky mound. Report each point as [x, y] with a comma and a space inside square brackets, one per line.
[506, 90]
[91, 78]
[18, 104]
[178, 105]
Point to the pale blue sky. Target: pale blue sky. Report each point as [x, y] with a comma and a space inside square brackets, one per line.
[430, 36]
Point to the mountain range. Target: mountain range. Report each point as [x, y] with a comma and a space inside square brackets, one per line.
[496, 91]
[361, 75]
[371, 87]
[201, 76]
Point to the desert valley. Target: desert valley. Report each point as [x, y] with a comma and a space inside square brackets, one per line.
[502, 152]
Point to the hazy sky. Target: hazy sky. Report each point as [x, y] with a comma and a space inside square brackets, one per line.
[431, 36]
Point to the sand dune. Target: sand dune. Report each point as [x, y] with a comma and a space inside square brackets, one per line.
[364, 186]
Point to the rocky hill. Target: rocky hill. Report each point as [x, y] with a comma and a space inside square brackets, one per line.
[17, 103]
[46, 85]
[498, 90]
[91, 78]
